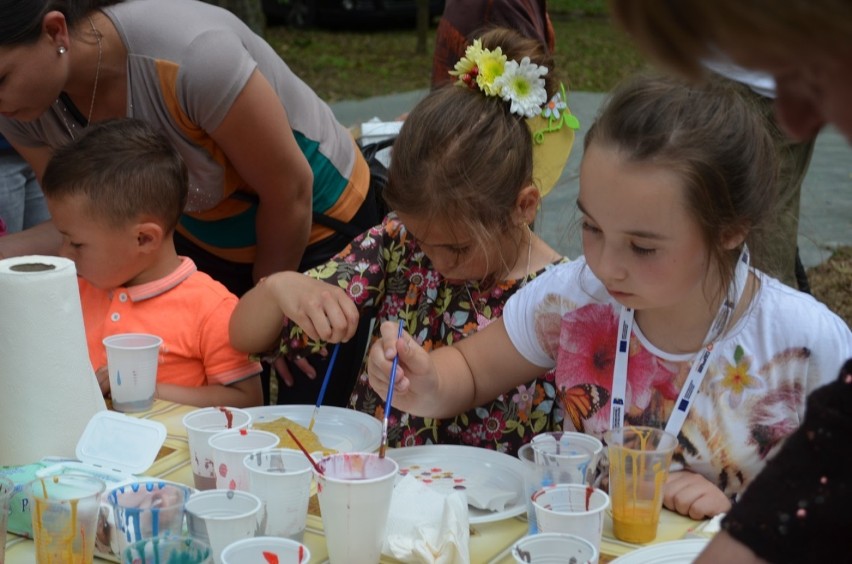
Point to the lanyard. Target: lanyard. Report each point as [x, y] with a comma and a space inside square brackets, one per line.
[699, 366]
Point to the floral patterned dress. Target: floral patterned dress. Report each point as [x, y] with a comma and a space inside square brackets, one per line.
[389, 277]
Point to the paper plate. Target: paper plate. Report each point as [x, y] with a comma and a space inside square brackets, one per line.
[344, 430]
[672, 552]
[454, 467]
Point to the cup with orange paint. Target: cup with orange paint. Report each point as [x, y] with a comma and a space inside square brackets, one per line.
[639, 459]
[65, 511]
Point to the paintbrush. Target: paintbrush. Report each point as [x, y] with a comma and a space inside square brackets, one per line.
[325, 380]
[389, 399]
[304, 450]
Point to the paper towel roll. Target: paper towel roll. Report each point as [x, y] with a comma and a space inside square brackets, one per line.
[49, 389]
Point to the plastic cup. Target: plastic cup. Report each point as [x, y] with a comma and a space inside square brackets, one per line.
[354, 493]
[639, 459]
[573, 509]
[168, 549]
[65, 511]
[202, 424]
[220, 517]
[282, 477]
[132, 363]
[557, 458]
[554, 548]
[263, 549]
[148, 509]
[230, 448]
[7, 490]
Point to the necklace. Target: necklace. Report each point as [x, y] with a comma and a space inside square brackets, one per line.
[64, 103]
[523, 281]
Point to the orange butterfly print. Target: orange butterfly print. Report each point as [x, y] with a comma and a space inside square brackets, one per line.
[582, 401]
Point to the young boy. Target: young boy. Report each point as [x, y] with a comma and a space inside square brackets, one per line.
[116, 195]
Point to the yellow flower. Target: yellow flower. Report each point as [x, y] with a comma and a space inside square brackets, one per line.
[491, 65]
[737, 380]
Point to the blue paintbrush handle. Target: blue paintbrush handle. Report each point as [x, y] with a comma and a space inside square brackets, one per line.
[327, 376]
[393, 372]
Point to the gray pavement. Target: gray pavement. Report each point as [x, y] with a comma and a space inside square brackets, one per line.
[825, 218]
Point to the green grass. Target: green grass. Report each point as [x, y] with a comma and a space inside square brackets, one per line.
[350, 65]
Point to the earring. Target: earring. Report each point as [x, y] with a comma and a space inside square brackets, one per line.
[61, 50]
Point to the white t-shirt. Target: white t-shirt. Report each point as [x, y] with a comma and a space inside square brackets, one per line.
[752, 397]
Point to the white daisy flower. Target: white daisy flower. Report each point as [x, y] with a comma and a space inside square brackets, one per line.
[522, 85]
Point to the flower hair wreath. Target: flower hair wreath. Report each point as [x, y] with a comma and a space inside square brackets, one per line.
[519, 83]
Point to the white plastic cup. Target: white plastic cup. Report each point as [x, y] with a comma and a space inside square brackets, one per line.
[259, 550]
[554, 548]
[564, 508]
[281, 477]
[202, 424]
[132, 360]
[221, 517]
[230, 448]
[354, 493]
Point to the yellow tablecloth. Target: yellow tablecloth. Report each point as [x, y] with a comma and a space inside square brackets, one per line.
[489, 542]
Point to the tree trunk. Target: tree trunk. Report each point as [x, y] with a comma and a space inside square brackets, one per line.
[250, 11]
[422, 25]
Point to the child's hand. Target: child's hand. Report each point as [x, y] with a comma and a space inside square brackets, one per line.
[415, 372]
[324, 311]
[692, 494]
[102, 375]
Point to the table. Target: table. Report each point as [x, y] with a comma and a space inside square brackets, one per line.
[489, 542]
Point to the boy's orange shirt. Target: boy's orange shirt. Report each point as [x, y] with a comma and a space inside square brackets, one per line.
[189, 310]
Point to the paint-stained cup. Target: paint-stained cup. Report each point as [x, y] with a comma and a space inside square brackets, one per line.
[65, 511]
[554, 548]
[132, 360]
[265, 550]
[639, 459]
[282, 477]
[557, 458]
[220, 517]
[202, 424]
[230, 448]
[354, 493]
[574, 509]
[168, 550]
[143, 510]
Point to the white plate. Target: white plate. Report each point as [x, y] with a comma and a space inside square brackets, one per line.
[344, 430]
[452, 467]
[672, 552]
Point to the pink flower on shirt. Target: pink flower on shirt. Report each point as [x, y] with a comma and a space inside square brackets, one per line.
[586, 355]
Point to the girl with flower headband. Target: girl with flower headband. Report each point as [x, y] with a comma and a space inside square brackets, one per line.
[463, 185]
[662, 322]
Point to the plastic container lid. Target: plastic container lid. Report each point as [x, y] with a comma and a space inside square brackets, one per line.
[120, 443]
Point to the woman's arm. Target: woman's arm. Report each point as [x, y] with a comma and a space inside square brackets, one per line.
[43, 239]
[257, 139]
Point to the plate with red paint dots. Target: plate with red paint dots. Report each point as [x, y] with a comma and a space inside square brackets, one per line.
[493, 481]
